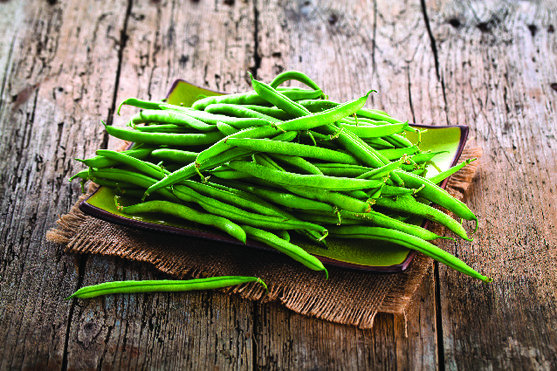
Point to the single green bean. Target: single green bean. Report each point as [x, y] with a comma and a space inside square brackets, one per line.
[144, 167]
[438, 195]
[408, 205]
[447, 173]
[174, 155]
[278, 99]
[293, 251]
[307, 180]
[183, 212]
[171, 117]
[409, 241]
[235, 110]
[375, 131]
[101, 161]
[127, 287]
[294, 75]
[164, 138]
[339, 200]
[382, 220]
[290, 148]
[298, 162]
[253, 98]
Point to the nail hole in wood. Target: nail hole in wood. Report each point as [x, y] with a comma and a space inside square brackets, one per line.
[455, 22]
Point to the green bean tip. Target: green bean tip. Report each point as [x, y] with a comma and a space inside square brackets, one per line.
[262, 283]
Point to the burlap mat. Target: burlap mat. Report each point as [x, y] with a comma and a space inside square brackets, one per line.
[348, 297]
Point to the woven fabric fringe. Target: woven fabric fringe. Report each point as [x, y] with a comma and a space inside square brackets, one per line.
[348, 297]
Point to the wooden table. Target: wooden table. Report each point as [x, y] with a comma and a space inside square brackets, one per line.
[64, 67]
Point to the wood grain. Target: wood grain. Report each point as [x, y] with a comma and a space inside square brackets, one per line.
[497, 67]
[64, 66]
[54, 94]
[165, 41]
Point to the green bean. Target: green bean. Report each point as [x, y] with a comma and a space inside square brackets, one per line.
[340, 200]
[393, 191]
[142, 166]
[283, 198]
[270, 111]
[398, 140]
[290, 148]
[372, 114]
[183, 212]
[385, 221]
[409, 241]
[225, 172]
[301, 123]
[225, 195]
[128, 287]
[242, 216]
[293, 251]
[375, 131]
[358, 148]
[425, 156]
[226, 129]
[325, 219]
[378, 143]
[277, 198]
[395, 154]
[264, 160]
[294, 75]
[342, 170]
[164, 138]
[115, 184]
[171, 117]
[438, 195]
[253, 98]
[174, 155]
[279, 100]
[325, 117]
[210, 158]
[382, 171]
[102, 161]
[213, 118]
[298, 162]
[283, 234]
[239, 111]
[166, 128]
[447, 173]
[127, 176]
[139, 104]
[308, 180]
[407, 204]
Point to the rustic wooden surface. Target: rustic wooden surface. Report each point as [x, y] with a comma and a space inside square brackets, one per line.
[64, 65]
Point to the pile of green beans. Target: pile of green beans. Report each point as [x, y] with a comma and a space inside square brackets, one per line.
[273, 161]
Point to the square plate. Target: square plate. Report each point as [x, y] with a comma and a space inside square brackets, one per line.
[372, 256]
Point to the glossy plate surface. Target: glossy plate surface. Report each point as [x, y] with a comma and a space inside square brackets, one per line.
[373, 256]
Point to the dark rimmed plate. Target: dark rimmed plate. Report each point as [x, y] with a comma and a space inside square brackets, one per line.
[372, 256]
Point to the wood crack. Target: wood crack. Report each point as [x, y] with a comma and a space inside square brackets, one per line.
[256, 55]
[435, 57]
[121, 47]
[82, 261]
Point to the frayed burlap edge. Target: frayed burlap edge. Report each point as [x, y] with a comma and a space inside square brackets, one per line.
[315, 298]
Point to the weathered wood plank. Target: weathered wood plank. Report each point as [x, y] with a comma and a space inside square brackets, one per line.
[198, 330]
[497, 61]
[286, 340]
[193, 330]
[59, 78]
[349, 49]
